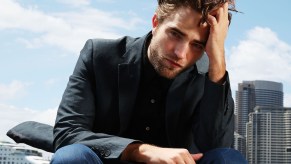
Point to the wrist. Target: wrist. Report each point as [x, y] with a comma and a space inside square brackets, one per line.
[217, 68]
[130, 152]
[137, 152]
[216, 73]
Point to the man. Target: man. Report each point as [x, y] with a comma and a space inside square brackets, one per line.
[143, 100]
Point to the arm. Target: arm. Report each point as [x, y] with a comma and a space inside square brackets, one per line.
[218, 21]
[216, 120]
[76, 117]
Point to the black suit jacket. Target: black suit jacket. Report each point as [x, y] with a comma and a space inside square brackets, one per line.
[100, 96]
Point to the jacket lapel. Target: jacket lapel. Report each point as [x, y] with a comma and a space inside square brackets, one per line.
[129, 75]
[128, 82]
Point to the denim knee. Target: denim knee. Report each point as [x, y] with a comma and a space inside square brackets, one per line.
[75, 154]
[223, 156]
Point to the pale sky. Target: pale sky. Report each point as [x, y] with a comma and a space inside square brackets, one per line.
[41, 41]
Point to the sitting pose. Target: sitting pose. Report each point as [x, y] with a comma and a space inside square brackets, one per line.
[143, 99]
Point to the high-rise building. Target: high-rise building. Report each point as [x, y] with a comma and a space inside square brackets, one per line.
[239, 142]
[249, 95]
[268, 93]
[269, 135]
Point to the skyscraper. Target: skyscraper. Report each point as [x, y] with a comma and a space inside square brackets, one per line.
[268, 93]
[269, 135]
[249, 95]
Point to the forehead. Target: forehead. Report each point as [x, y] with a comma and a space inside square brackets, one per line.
[188, 21]
[185, 16]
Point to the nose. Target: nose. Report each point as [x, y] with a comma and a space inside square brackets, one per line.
[181, 50]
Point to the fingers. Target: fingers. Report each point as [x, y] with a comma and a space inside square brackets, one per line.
[223, 13]
[152, 154]
[197, 157]
[189, 158]
[218, 15]
[211, 20]
[183, 157]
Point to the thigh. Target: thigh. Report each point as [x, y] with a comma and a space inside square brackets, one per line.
[75, 154]
[223, 156]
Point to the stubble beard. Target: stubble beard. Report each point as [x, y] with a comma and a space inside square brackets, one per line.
[158, 62]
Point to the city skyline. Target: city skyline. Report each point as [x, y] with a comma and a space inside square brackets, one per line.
[41, 40]
[251, 94]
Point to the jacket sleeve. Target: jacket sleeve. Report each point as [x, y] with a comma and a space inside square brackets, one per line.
[76, 113]
[214, 125]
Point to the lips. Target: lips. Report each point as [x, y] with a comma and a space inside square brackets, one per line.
[173, 63]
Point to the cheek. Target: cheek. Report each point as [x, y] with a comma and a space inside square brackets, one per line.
[167, 45]
[163, 44]
[158, 44]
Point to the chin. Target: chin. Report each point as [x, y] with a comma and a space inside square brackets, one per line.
[169, 74]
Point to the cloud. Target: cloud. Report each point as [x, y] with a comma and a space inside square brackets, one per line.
[13, 90]
[260, 56]
[65, 30]
[75, 3]
[14, 16]
[11, 116]
[106, 1]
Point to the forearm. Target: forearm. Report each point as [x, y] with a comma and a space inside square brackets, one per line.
[218, 21]
[216, 118]
[217, 69]
[75, 124]
[104, 145]
[132, 153]
[80, 119]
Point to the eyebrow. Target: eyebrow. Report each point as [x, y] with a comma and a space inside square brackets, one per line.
[184, 35]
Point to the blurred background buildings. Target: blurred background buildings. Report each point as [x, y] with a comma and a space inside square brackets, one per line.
[262, 124]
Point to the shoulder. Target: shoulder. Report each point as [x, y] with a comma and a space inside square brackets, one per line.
[100, 50]
[112, 51]
[99, 46]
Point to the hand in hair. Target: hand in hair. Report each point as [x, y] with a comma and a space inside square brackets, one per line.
[219, 23]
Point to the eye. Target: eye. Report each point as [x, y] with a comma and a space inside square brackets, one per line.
[174, 34]
[198, 46]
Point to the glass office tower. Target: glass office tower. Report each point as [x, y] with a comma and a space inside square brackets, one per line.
[249, 95]
[269, 135]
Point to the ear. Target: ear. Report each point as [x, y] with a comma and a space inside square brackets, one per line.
[155, 22]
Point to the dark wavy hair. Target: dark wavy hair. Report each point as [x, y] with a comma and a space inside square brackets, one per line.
[166, 7]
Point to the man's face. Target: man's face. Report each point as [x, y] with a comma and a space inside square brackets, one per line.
[177, 43]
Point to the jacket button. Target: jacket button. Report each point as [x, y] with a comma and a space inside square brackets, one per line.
[95, 148]
[102, 153]
[147, 128]
[107, 153]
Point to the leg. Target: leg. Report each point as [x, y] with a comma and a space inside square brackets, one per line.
[223, 156]
[75, 154]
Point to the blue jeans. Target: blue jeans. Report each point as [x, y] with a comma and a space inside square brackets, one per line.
[222, 156]
[81, 154]
[75, 154]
